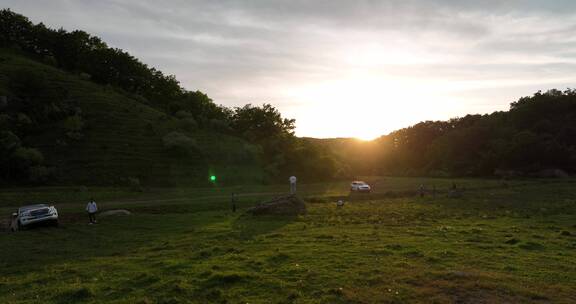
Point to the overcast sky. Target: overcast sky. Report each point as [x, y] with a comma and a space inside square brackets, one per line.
[341, 68]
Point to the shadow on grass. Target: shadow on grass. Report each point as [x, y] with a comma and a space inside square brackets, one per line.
[249, 226]
[75, 242]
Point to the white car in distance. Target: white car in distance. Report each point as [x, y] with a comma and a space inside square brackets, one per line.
[360, 186]
[34, 214]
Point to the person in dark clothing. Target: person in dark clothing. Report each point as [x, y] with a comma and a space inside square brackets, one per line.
[233, 199]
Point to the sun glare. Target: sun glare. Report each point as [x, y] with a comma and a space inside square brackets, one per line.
[366, 138]
[365, 106]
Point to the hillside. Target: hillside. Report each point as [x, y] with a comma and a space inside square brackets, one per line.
[75, 110]
[121, 137]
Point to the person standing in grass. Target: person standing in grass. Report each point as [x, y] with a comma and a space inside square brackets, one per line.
[92, 208]
[233, 202]
[292, 180]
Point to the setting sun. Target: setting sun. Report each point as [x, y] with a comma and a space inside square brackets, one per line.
[367, 106]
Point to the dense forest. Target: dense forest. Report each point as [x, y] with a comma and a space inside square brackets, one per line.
[536, 137]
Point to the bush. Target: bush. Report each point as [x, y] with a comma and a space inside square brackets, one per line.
[8, 143]
[28, 156]
[134, 184]
[187, 124]
[245, 153]
[183, 114]
[219, 125]
[39, 174]
[85, 76]
[73, 126]
[5, 121]
[23, 120]
[74, 135]
[179, 143]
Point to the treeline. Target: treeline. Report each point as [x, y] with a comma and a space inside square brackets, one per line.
[92, 59]
[536, 137]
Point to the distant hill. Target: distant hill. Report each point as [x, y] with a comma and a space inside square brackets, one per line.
[119, 138]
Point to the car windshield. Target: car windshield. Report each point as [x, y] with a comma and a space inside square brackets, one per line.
[29, 207]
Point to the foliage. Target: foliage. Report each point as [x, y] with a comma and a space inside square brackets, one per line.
[73, 126]
[18, 162]
[283, 153]
[537, 134]
[121, 136]
[32, 105]
[179, 143]
[93, 59]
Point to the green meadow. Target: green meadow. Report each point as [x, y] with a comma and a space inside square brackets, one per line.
[498, 243]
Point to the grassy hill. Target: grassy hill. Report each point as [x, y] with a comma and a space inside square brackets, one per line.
[122, 137]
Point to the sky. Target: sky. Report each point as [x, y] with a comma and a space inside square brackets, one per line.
[340, 68]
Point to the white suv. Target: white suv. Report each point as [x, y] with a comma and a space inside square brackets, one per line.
[33, 214]
[360, 186]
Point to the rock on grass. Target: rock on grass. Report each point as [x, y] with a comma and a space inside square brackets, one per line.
[286, 205]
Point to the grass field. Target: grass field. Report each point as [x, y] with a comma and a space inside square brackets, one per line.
[514, 244]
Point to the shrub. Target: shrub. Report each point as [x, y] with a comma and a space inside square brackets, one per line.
[85, 76]
[187, 124]
[134, 184]
[8, 142]
[183, 114]
[219, 125]
[39, 174]
[23, 120]
[73, 126]
[180, 143]
[246, 153]
[149, 129]
[50, 60]
[5, 121]
[27, 157]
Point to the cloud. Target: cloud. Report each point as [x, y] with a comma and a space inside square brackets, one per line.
[468, 52]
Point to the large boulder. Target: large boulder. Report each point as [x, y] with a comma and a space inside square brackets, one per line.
[285, 205]
[552, 173]
[115, 213]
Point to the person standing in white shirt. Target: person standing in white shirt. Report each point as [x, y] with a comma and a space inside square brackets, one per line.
[92, 208]
[292, 180]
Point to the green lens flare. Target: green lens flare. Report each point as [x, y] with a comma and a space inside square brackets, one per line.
[212, 178]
